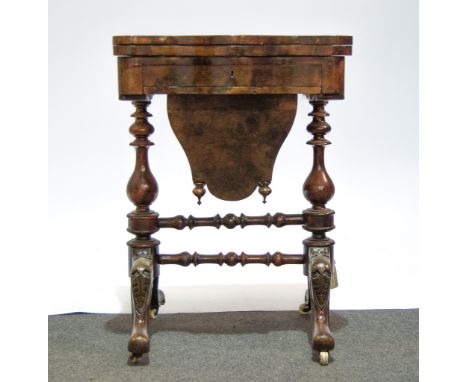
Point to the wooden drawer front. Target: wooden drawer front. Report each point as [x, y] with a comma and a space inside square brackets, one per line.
[170, 76]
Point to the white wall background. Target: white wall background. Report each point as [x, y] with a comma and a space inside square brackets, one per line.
[373, 160]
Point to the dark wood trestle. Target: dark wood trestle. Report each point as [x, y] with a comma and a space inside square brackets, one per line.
[230, 221]
[231, 259]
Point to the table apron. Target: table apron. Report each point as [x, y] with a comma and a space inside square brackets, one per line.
[140, 77]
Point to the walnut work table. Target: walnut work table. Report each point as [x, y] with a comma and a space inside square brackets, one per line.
[231, 104]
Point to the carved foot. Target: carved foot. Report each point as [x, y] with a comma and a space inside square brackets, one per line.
[142, 283]
[139, 342]
[320, 278]
[322, 339]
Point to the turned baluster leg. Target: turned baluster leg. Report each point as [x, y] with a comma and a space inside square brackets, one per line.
[142, 190]
[318, 190]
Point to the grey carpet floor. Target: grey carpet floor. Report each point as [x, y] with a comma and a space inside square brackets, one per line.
[379, 345]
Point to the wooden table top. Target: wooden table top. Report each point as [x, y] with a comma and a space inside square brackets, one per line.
[236, 40]
[228, 46]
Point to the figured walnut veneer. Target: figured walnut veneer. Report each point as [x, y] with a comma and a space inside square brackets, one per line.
[231, 141]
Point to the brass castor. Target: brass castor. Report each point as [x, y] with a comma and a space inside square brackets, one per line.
[323, 358]
[304, 309]
[153, 312]
[134, 357]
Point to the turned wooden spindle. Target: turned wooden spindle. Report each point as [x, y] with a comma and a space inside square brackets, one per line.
[318, 187]
[142, 190]
[318, 190]
[230, 221]
[231, 259]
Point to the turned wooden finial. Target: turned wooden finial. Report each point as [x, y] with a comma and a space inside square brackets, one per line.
[142, 188]
[264, 190]
[318, 187]
[199, 191]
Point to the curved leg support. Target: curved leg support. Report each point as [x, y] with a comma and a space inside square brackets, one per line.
[142, 285]
[320, 278]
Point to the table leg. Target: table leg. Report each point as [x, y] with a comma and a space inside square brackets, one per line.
[318, 190]
[142, 190]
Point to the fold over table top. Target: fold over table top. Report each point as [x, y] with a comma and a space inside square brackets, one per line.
[228, 46]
